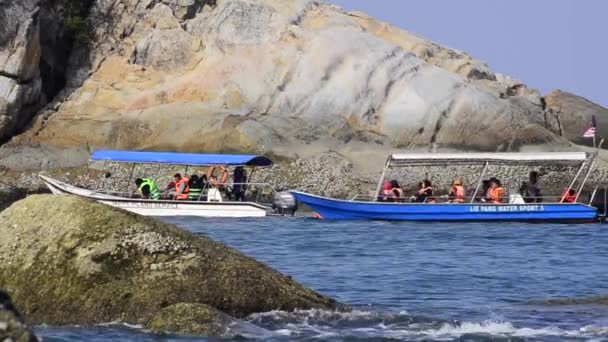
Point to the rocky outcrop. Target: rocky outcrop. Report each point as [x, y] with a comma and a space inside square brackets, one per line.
[67, 260]
[36, 41]
[191, 319]
[20, 83]
[570, 115]
[290, 76]
[12, 327]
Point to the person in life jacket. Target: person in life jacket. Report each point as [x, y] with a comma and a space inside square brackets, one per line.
[181, 187]
[496, 193]
[424, 193]
[569, 196]
[148, 189]
[457, 193]
[213, 180]
[196, 188]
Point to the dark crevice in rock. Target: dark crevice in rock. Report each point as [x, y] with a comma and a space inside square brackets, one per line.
[300, 16]
[16, 78]
[440, 121]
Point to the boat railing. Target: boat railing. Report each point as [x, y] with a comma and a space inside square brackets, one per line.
[468, 199]
[256, 192]
[599, 199]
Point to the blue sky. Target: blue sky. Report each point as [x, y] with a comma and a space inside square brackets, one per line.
[547, 44]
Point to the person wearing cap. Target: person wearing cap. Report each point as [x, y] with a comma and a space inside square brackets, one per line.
[457, 193]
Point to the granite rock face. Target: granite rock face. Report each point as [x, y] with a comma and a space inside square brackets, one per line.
[291, 77]
[67, 260]
[20, 83]
[570, 115]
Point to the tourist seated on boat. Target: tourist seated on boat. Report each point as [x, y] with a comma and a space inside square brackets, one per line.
[147, 188]
[196, 188]
[457, 192]
[239, 186]
[569, 196]
[181, 187]
[496, 192]
[530, 190]
[397, 194]
[484, 192]
[424, 193]
[386, 194]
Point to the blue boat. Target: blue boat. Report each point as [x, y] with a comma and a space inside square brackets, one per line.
[546, 211]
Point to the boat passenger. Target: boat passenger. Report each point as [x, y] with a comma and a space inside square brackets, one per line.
[533, 188]
[181, 187]
[485, 191]
[148, 189]
[239, 186]
[213, 180]
[396, 191]
[196, 188]
[424, 193]
[496, 192]
[386, 193]
[457, 192]
[569, 196]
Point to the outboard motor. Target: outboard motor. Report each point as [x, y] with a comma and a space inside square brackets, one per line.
[284, 203]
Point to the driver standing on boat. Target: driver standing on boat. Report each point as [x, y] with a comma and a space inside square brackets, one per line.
[147, 188]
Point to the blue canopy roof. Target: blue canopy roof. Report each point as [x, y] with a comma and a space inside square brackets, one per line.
[179, 158]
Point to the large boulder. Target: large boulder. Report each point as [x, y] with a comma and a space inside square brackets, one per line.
[12, 327]
[67, 260]
[291, 76]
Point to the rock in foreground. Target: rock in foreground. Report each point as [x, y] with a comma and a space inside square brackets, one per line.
[67, 260]
[12, 327]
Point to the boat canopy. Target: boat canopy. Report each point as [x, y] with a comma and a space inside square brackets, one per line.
[135, 157]
[493, 158]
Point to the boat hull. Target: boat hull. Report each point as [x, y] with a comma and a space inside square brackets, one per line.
[333, 209]
[161, 208]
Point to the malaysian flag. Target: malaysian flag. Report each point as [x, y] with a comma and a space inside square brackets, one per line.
[590, 132]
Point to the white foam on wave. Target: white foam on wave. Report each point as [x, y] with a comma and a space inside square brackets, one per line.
[319, 314]
[118, 323]
[505, 329]
[312, 323]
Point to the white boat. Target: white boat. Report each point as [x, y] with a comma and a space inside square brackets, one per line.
[211, 206]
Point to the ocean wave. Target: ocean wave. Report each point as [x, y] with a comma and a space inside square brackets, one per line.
[360, 324]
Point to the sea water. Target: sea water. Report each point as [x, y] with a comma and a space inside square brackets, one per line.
[412, 281]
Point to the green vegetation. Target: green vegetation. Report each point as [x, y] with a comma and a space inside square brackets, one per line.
[78, 28]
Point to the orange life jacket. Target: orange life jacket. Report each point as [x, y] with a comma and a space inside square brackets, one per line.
[457, 194]
[497, 195]
[183, 195]
[567, 198]
[223, 177]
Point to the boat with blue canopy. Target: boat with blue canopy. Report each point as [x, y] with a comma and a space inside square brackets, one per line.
[567, 207]
[215, 200]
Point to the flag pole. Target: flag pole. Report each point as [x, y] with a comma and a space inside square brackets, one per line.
[594, 141]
